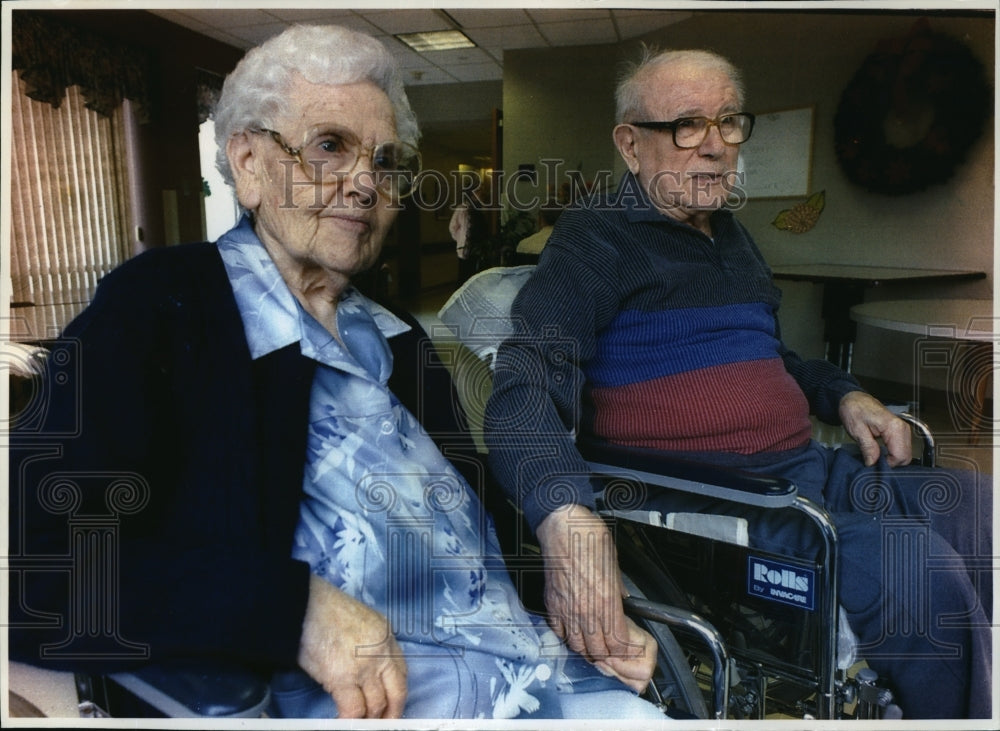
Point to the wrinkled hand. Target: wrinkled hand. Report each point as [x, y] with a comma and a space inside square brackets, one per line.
[635, 670]
[867, 420]
[583, 596]
[348, 648]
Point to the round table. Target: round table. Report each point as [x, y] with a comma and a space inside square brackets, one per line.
[965, 320]
[956, 319]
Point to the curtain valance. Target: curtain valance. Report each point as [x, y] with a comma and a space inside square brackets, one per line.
[52, 55]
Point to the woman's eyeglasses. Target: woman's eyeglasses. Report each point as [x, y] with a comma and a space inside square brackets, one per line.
[327, 156]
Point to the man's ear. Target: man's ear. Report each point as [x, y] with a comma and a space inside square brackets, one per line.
[625, 140]
[243, 164]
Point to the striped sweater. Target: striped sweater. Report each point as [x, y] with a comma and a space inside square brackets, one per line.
[644, 331]
[706, 379]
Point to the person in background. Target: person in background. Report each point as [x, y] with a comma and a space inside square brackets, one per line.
[288, 435]
[530, 248]
[467, 226]
[651, 321]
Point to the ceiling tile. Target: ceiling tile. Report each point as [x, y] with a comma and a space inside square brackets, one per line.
[252, 35]
[407, 21]
[493, 29]
[183, 19]
[477, 72]
[406, 57]
[433, 75]
[310, 15]
[223, 37]
[511, 36]
[329, 17]
[481, 18]
[579, 32]
[637, 23]
[458, 57]
[563, 14]
[226, 19]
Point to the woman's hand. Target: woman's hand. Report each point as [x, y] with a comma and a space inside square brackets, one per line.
[348, 648]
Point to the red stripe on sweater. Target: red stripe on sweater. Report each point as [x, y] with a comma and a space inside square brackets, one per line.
[747, 407]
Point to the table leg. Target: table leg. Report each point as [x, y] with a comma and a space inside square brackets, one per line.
[839, 330]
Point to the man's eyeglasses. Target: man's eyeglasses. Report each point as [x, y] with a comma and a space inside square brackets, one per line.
[331, 153]
[691, 131]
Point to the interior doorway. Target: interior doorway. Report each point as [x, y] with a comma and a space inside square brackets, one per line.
[449, 151]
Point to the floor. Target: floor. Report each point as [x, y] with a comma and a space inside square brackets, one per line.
[53, 694]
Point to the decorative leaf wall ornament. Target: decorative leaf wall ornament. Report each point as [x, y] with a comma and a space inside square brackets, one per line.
[802, 217]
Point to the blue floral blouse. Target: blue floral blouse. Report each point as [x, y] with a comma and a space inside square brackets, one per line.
[388, 520]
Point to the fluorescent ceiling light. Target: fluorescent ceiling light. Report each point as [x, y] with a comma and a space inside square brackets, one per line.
[436, 40]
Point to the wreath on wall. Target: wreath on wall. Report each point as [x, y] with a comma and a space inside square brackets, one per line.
[911, 113]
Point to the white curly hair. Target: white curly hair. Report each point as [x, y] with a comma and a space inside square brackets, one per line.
[256, 91]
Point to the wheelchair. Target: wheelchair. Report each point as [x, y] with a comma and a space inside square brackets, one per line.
[726, 648]
[742, 633]
[724, 652]
[763, 634]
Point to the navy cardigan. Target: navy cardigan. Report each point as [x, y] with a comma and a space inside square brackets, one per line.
[155, 423]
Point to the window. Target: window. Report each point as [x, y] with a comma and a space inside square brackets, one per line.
[70, 212]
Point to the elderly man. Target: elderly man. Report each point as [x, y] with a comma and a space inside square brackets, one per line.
[651, 321]
[290, 507]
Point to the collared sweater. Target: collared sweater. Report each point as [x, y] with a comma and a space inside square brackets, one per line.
[643, 331]
[155, 421]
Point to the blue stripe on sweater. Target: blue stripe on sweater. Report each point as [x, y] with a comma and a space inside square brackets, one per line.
[638, 346]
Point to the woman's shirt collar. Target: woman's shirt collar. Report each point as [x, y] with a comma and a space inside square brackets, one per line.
[272, 317]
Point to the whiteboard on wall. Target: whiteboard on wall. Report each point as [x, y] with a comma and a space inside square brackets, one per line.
[777, 159]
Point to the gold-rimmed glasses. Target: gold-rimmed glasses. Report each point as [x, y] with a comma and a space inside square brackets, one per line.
[330, 153]
[690, 132]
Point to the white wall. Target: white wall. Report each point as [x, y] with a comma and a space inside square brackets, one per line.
[221, 209]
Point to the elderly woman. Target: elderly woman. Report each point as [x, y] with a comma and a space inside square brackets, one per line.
[291, 510]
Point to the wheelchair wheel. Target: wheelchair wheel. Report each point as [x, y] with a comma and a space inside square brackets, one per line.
[674, 679]
[674, 686]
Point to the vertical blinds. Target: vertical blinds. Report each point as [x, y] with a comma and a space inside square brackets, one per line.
[69, 198]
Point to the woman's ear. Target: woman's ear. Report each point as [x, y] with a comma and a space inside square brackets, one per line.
[243, 164]
[625, 141]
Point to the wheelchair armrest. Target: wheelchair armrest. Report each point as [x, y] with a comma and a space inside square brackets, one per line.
[203, 690]
[655, 468]
[928, 457]
[681, 619]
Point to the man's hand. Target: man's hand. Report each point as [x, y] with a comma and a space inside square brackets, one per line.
[583, 596]
[634, 670]
[348, 648]
[867, 420]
